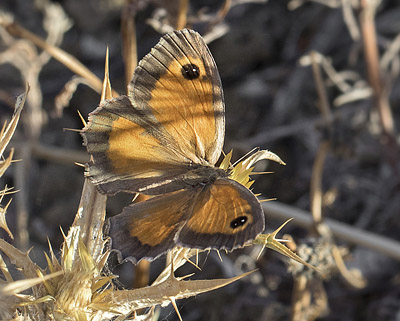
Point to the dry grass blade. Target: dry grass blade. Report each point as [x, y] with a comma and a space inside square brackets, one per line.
[372, 63]
[15, 287]
[5, 136]
[8, 132]
[381, 93]
[128, 31]
[182, 14]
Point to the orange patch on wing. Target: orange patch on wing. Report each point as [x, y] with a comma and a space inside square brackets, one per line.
[131, 148]
[217, 207]
[185, 106]
[157, 218]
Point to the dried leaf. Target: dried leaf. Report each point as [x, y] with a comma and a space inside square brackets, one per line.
[160, 294]
[20, 259]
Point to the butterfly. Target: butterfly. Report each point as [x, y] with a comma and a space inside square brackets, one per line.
[163, 139]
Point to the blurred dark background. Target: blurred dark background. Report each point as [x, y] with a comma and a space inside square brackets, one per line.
[271, 103]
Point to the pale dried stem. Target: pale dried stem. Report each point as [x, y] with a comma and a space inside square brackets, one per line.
[21, 182]
[323, 105]
[224, 9]
[375, 79]
[89, 220]
[66, 59]
[355, 281]
[350, 20]
[299, 298]
[317, 173]
[318, 167]
[316, 181]
[128, 31]
[182, 14]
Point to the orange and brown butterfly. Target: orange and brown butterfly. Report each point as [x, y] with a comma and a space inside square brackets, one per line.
[164, 138]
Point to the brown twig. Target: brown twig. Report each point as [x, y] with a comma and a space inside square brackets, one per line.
[318, 167]
[128, 31]
[381, 98]
[182, 14]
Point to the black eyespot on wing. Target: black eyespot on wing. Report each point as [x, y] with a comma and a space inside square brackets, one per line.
[190, 71]
[239, 221]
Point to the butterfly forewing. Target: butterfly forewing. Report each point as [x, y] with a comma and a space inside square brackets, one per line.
[172, 120]
[179, 85]
[126, 157]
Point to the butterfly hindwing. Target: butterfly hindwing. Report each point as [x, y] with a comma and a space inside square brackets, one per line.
[221, 215]
[148, 229]
[224, 215]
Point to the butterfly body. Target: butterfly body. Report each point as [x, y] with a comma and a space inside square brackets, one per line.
[164, 139]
